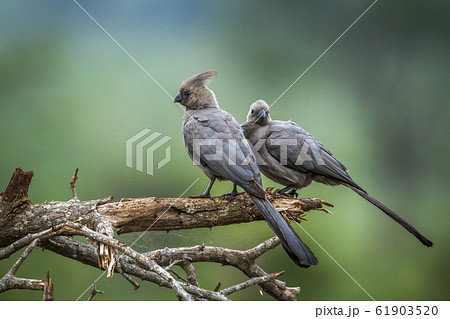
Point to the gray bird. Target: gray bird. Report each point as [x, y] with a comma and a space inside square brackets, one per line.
[292, 157]
[214, 141]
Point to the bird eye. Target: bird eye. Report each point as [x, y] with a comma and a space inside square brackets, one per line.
[252, 111]
[187, 93]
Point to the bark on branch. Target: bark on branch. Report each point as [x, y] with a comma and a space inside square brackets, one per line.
[25, 224]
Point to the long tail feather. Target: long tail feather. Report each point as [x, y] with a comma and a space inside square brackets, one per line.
[391, 214]
[296, 249]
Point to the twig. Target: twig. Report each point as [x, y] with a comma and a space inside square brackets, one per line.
[72, 184]
[260, 249]
[173, 263]
[170, 269]
[250, 282]
[177, 275]
[126, 276]
[48, 288]
[203, 293]
[94, 291]
[12, 271]
[218, 286]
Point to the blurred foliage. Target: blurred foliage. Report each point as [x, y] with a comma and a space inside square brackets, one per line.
[70, 97]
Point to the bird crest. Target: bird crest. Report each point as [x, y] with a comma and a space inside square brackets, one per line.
[194, 94]
[200, 80]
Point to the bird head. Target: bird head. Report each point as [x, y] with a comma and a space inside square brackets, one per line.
[194, 94]
[259, 113]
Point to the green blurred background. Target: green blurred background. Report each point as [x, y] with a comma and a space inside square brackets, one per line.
[70, 97]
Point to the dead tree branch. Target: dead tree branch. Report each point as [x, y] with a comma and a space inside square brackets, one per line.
[23, 224]
[133, 215]
[10, 281]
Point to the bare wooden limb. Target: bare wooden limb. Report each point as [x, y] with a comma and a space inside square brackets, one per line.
[34, 218]
[185, 213]
[242, 260]
[87, 254]
[22, 218]
[70, 248]
[140, 258]
[13, 282]
[23, 223]
[146, 275]
[139, 214]
[130, 267]
[10, 281]
[191, 273]
[24, 241]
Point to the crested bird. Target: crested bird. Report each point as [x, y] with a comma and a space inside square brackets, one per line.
[292, 157]
[215, 142]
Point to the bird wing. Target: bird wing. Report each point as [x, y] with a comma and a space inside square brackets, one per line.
[306, 154]
[215, 138]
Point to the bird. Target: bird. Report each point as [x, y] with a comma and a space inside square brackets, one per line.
[215, 142]
[290, 156]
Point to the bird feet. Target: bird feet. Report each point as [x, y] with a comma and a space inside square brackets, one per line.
[292, 193]
[204, 195]
[233, 194]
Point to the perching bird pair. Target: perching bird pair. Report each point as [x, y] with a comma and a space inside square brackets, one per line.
[286, 153]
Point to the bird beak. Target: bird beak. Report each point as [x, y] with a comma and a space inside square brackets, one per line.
[262, 114]
[178, 98]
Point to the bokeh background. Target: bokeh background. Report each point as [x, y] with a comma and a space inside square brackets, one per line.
[70, 97]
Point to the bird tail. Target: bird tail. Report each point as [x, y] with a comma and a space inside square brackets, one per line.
[296, 249]
[391, 214]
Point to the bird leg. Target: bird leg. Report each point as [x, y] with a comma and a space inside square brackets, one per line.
[292, 192]
[206, 194]
[233, 193]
